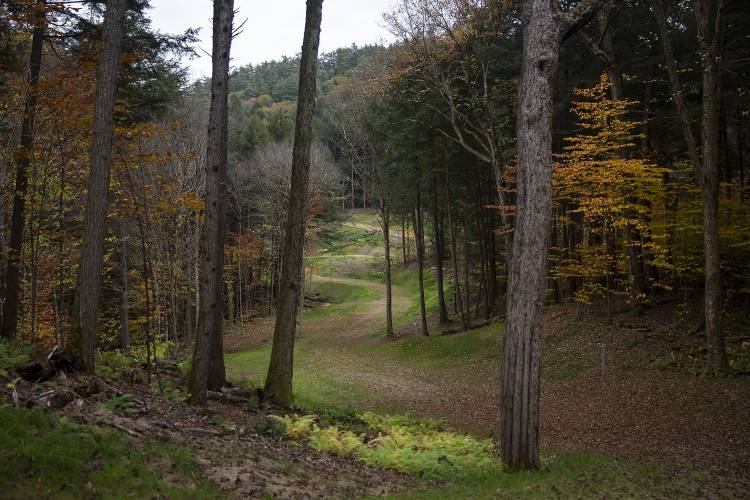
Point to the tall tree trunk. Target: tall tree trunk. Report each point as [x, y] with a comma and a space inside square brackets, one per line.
[679, 101]
[403, 240]
[708, 16]
[454, 259]
[124, 304]
[208, 355]
[95, 218]
[278, 388]
[544, 29]
[386, 214]
[419, 237]
[23, 163]
[439, 257]
[467, 264]
[482, 243]
[740, 157]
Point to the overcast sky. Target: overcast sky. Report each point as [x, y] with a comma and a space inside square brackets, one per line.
[274, 27]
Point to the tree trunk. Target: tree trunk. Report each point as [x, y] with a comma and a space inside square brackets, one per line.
[454, 259]
[544, 29]
[95, 218]
[419, 237]
[403, 240]
[208, 355]
[439, 257]
[674, 81]
[740, 157]
[467, 255]
[705, 163]
[386, 213]
[278, 388]
[124, 304]
[707, 11]
[23, 162]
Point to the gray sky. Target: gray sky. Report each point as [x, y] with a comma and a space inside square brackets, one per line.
[274, 27]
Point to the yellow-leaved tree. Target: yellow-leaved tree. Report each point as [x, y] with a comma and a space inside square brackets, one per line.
[605, 189]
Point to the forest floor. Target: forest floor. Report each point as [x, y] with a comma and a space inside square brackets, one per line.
[637, 409]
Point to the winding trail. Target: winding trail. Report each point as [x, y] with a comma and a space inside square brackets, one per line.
[335, 343]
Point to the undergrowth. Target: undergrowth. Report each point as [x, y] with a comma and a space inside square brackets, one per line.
[424, 448]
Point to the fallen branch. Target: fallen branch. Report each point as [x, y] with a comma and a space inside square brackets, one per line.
[206, 432]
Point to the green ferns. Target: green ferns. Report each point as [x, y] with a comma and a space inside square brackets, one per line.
[424, 448]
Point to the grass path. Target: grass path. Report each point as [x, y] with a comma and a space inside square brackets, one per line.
[340, 353]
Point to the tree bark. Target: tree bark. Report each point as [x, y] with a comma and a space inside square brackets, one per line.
[687, 130]
[454, 259]
[706, 162]
[124, 304]
[278, 388]
[23, 163]
[467, 264]
[439, 257]
[419, 237]
[95, 218]
[208, 355]
[403, 240]
[709, 22]
[544, 29]
[386, 213]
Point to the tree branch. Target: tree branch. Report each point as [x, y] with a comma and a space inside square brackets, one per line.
[579, 16]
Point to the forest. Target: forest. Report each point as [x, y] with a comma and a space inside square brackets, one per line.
[505, 256]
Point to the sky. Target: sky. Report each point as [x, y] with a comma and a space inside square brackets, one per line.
[274, 27]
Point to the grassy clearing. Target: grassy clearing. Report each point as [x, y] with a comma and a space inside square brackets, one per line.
[43, 456]
[314, 389]
[341, 299]
[359, 234]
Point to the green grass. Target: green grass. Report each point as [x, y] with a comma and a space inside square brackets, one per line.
[359, 234]
[576, 475]
[43, 456]
[314, 389]
[441, 353]
[341, 299]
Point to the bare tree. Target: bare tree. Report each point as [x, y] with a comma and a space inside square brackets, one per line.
[545, 27]
[95, 218]
[278, 388]
[208, 355]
